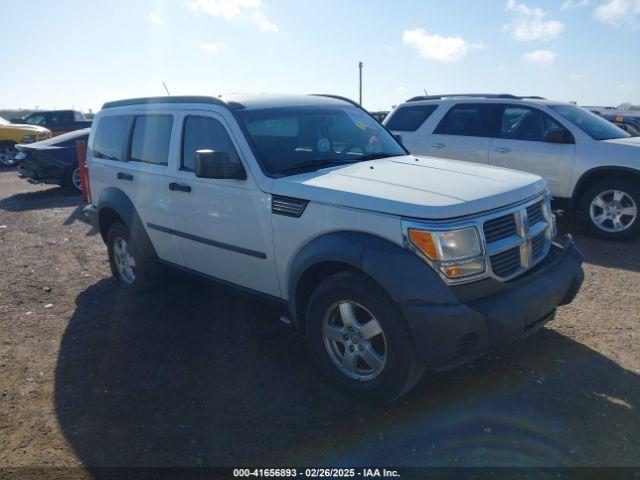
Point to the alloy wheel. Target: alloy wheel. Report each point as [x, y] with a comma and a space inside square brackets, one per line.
[613, 211]
[124, 260]
[354, 340]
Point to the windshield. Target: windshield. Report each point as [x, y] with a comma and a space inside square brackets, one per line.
[3, 121]
[297, 139]
[596, 127]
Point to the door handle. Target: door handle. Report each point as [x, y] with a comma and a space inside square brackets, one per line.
[125, 176]
[502, 149]
[438, 145]
[179, 187]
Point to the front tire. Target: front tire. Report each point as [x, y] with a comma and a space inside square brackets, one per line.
[128, 266]
[7, 153]
[610, 209]
[359, 340]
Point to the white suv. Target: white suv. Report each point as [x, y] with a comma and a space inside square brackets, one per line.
[387, 262]
[590, 165]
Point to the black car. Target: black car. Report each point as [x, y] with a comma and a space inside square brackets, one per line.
[52, 161]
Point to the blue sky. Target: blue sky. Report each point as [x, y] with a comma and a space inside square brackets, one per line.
[83, 53]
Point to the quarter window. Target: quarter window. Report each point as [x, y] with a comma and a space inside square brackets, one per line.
[522, 123]
[111, 136]
[409, 119]
[470, 120]
[204, 133]
[151, 138]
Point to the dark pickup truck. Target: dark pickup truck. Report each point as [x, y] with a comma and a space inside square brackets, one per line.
[58, 121]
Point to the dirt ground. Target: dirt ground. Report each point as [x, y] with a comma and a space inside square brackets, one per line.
[193, 375]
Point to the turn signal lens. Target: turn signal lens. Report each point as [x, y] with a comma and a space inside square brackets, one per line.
[424, 242]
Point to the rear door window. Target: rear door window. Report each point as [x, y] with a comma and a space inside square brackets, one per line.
[470, 120]
[111, 137]
[151, 138]
[410, 118]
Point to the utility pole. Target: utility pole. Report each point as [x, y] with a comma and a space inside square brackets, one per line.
[360, 68]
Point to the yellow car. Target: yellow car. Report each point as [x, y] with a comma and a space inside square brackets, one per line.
[12, 134]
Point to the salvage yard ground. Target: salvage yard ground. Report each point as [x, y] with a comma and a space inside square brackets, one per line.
[193, 375]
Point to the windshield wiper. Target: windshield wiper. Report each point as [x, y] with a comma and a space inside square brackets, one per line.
[315, 164]
[375, 156]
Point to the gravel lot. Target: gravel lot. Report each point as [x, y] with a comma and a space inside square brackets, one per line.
[194, 375]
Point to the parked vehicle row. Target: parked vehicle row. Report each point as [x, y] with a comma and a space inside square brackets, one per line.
[52, 161]
[389, 263]
[627, 120]
[58, 121]
[590, 165]
[12, 134]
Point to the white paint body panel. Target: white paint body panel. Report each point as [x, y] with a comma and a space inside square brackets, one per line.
[560, 165]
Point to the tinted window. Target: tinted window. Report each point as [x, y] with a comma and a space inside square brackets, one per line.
[37, 119]
[596, 127]
[151, 138]
[522, 123]
[288, 141]
[471, 120]
[204, 133]
[111, 136]
[409, 119]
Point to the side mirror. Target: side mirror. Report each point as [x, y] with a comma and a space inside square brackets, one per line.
[558, 136]
[213, 164]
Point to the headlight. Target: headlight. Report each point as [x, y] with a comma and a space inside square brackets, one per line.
[28, 139]
[454, 253]
[20, 156]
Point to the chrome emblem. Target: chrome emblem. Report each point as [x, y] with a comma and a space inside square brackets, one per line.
[522, 227]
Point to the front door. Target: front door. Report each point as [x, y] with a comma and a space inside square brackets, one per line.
[522, 144]
[223, 226]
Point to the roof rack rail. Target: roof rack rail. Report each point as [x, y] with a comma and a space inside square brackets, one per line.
[473, 95]
[177, 99]
[336, 97]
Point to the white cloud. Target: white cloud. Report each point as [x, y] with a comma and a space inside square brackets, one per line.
[576, 76]
[213, 47]
[155, 18]
[531, 24]
[437, 47]
[401, 89]
[626, 87]
[618, 13]
[540, 57]
[502, 67]
[573, 4]
[251, 11]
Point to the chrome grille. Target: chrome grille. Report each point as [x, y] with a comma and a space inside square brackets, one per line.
[517, 240]
[499, 228]
[535, 214]
[506, 263]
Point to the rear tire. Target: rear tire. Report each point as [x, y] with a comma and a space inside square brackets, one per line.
[610, 209]
[73, 180]
[386, 366]
[129, 267]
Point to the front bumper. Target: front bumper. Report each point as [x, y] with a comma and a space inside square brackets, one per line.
[37, 176]
[451, 334]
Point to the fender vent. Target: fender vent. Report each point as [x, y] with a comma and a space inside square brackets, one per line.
[287, 206]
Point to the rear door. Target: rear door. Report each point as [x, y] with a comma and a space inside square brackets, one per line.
[223, 226]
[522, 144]
[131, 153]
[464, 133]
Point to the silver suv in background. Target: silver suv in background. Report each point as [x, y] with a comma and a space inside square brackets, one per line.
[590, 165]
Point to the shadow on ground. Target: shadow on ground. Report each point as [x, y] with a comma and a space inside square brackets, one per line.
[194, 375]
[606, 253]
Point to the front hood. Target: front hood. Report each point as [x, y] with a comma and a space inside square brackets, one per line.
[23, 128]
[631, 141]
[414, 186]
